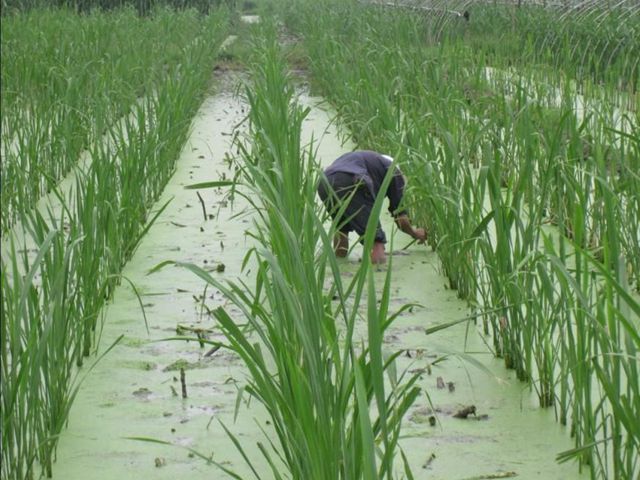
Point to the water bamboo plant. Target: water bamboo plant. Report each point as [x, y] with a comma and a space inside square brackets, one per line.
[522, 162]
[334, 399]
[60, 263]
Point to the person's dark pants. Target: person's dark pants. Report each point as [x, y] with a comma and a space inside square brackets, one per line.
[340, 187]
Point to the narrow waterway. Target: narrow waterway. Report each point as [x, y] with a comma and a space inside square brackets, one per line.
[136, 390]
[509, 436]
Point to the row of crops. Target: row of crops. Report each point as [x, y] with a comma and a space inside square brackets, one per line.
[141, 7]
[518, 131]
[332, 413]
[106, 100]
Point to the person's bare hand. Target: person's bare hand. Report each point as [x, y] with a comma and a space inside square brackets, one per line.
[421, 235]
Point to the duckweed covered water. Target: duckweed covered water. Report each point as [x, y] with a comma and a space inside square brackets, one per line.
[136, 390]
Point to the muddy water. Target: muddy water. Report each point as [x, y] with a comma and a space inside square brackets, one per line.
[136, 390]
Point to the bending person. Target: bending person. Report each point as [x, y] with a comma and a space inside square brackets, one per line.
[356, 177]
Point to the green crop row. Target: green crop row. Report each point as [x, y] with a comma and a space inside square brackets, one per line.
[60, 268]
[142, 7]
[318, 385]
[596, 44]
[66, 80]
[528, 187]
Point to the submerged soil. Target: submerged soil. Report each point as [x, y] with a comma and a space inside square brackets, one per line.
[136, 390]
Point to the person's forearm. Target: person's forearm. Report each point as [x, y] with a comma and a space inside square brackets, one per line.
[405, 225]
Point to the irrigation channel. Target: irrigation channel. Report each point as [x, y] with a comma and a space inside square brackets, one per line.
[136, 390]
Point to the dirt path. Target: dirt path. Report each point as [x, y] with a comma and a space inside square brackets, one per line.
[136, 389]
